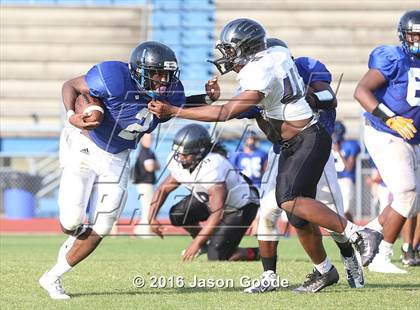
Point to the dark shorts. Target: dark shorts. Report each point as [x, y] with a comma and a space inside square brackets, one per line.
[226, 238]
[301, 164]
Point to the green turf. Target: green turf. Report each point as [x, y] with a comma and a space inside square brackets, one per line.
[104, 280]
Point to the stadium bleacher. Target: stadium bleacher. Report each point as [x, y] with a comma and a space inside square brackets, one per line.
[341, 34]
[43, 43]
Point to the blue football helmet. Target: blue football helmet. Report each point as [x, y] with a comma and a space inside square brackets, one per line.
[150, 59]
[410, 24]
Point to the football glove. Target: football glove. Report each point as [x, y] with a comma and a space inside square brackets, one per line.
[404, 126]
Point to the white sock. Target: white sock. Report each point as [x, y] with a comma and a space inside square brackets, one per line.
[375, 225]
[405, 247]
[324, 267]
[60, 268]
[350, 230]
[66, 247]
[385, 250]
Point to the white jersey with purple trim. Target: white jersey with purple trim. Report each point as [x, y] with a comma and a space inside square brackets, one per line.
[274, 73]
[213, 169]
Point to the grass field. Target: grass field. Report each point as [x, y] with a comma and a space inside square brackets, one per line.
[105, 279]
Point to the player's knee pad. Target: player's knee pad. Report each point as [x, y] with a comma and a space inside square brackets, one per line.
[176, 216]
[108, 210]
[78, 230]
[296, 221]
[405, 203]
[71, 222]
[267, 223]
[218, 251]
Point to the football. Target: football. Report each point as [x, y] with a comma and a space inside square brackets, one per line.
[86, 104]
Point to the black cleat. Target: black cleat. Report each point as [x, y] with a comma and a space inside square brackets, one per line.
[317, 281]
[417, 256]
[367, 243]
[408, 258]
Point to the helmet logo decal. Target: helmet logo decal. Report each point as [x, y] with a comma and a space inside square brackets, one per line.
[170, 65]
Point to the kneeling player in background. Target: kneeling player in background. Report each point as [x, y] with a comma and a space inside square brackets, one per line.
[219, 195]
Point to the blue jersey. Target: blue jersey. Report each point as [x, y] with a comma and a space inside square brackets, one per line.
[251, 165]
[312, 70]
[401, 94]
[126, 116]
[348, 148]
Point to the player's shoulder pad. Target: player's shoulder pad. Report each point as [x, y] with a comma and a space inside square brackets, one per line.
[213, 160]
[257, 74]
[214, 168]
[312, 70]
[109, 79]
[385, 59]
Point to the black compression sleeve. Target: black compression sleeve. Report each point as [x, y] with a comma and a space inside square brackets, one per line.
[195, 100]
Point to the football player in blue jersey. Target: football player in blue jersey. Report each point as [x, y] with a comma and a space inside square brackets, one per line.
[268, 78]
[390, 94]
[251, 160]
[95, 162]
[322, 99]
[345, 153]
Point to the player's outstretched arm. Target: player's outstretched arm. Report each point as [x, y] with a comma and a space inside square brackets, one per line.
[364, 93]
[217, 196]
[162, 192]
[233, 107]
[212, 94]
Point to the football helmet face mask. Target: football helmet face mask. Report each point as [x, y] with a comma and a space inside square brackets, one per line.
[409, 32]
[239, 41]
[154, 68]
[191, 144]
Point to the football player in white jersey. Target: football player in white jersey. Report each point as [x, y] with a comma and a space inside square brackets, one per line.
[268, 78]
[317, 77]
[219, 195]
[390, 94]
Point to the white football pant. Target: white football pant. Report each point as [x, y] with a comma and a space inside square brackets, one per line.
[90, 175]
[398, 163]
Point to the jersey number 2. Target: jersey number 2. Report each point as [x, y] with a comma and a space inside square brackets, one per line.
[132, 131]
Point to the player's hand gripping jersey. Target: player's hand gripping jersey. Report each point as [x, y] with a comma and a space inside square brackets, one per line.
[126, 116]
[213, 169]
[402, 92]
[274, 74]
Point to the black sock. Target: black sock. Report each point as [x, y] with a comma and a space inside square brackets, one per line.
[346, 249]
[269, 263]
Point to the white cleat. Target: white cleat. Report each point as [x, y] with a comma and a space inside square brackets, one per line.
[383, 264]
[53, 286]
[267, 283]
